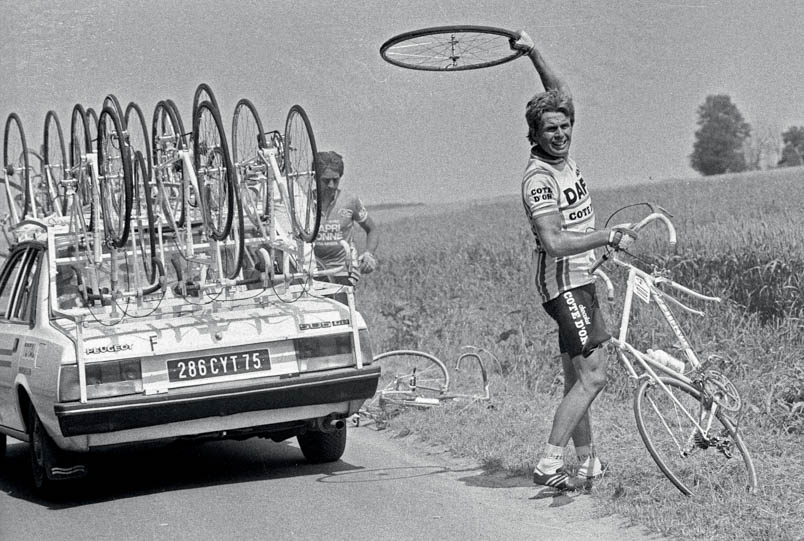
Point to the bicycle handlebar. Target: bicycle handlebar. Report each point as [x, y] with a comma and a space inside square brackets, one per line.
[671, 230]
[652, 217]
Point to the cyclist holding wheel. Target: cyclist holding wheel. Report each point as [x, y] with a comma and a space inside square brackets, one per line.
[340, 210]
[559, 209]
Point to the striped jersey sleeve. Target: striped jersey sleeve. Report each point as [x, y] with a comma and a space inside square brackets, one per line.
[539, 193]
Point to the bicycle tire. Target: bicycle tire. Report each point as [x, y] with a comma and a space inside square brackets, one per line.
[92, 127]
[451, 48]
[79, 146]
[248, 136]
[138, 134]
[665, 429]
[203, 92]
[213, 168]
[412, 373]
[183, 134]
[146, 238]
[235, 244]
[17, 166]
[302, 175]
[111, 101]
[55, 160]
[166, 142]
[114, 165]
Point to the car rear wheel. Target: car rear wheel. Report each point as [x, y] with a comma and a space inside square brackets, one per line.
[2, 448]
[319, 447]
[41, 451]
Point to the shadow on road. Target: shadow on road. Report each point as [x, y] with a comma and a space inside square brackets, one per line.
[134, 472]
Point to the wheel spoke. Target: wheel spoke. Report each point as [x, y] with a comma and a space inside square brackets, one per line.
[452, 48]
[689, 442]
[213, 170]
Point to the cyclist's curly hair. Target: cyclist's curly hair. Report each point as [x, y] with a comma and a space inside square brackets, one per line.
[551, 101]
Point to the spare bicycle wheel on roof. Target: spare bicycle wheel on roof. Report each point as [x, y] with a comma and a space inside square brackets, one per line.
[451, 48]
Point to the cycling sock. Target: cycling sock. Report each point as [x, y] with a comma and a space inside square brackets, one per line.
[584, 452]
[549, 465]
[591, 467]
[552, 459]
[553, 451]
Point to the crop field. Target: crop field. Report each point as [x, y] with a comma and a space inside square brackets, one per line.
[460, 276]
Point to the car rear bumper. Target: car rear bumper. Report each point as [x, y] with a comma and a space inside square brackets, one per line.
[194, 403]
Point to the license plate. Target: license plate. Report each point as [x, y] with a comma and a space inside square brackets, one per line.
[216, 366]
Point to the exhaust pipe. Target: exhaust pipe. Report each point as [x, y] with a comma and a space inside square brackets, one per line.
[330, 424]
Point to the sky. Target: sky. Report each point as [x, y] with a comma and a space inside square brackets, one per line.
[638, 71]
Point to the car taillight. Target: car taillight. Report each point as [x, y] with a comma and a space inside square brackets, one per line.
[328, 352]
[104, 379]
[365, 347]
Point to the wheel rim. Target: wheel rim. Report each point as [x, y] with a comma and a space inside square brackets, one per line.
[166, 144]
[690, 462]
[138, 134]
[37, 451]
[17, 168]
[248, 139]
[302, 174]
[213, 170]
[55, 160]
[412, 372]
[454, 48]
[79, 143]
[114, 164]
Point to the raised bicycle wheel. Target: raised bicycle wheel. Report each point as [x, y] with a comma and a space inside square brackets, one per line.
[79, 146]
[719, 463]
[144, 215]
[451, 48]
[17, 167]
[55, 163]
[166, 142]
[214, 170]
[114, 168]
[302, 174]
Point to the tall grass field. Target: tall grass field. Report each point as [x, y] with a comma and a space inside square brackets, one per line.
[459, 275]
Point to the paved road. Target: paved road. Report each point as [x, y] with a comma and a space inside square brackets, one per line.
[256, 489]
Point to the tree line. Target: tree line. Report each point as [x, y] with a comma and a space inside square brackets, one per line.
[726, 143]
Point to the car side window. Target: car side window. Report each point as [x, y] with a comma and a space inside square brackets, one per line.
[8, 280]
[23, 309]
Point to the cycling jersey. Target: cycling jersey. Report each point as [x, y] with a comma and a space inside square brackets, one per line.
[550, 185]
[337, 222]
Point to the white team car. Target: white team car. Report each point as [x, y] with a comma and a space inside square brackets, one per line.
[76, 378]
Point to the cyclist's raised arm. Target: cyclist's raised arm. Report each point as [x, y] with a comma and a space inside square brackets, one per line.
[550, 79]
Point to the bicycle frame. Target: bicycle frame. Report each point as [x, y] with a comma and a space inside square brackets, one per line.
[644, 286]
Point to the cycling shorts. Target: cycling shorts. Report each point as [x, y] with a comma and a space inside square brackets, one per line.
[581, 327]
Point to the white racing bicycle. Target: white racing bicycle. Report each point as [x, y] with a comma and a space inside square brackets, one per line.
[686, 413]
